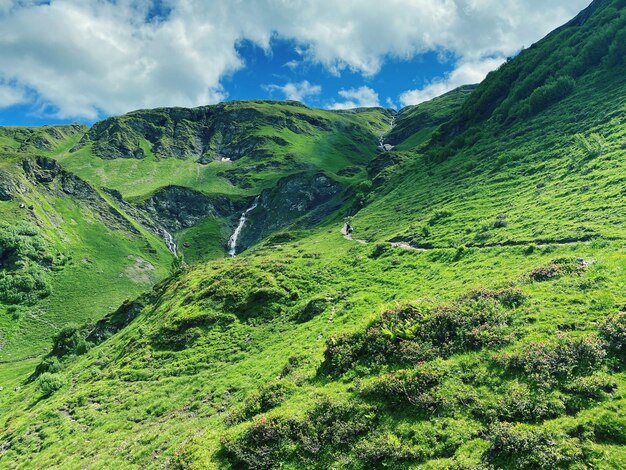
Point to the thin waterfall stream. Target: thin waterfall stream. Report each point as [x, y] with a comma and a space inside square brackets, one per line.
[232, 242]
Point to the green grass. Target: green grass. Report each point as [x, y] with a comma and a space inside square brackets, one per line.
[311, 350]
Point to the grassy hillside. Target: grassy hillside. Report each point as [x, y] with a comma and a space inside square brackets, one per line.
[414, 125]
[473, 319]
[67, 255]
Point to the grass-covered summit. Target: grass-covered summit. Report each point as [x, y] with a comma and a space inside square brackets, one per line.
[473, 318]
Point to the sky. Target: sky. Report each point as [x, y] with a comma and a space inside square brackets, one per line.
[83, 60]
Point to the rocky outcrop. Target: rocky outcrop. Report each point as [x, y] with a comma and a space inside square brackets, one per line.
[204, 134]
[177, 208]
[51, 177]
[301, 200]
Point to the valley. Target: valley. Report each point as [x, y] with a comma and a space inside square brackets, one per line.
[180, 289]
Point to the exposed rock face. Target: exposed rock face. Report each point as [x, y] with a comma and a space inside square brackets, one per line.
[301, 200]
[8, 188]
[49, 174]
[177, 208]
[224, 131]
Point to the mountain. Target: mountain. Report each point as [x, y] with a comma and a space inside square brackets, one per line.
[472, 318]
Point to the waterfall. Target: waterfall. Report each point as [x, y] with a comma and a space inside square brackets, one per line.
[170, 242]
[381, 140]
[232, 242]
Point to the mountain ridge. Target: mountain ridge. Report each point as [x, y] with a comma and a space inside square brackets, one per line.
[459, 304]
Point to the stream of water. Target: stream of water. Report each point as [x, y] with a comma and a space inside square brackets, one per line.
[170, 242]
[232, 242]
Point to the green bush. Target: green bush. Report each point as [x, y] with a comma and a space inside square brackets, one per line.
[326, 430]
[613, 331]
[379, 250]
[520, 402]
[384, 451]
[419, 332]
[557, 268]
[551, 93]
[609, 427]
[69, 340]
[559, 360]
[49, 383]
[414, 387]
[521, 446]
[313, 308]
[24, 256]
[268, 396]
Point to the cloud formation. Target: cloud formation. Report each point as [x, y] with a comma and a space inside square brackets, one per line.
[362, 97]
[297, 91]
[466, 73]
[86, 58]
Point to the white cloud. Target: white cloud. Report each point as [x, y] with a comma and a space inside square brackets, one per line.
[363, 97]
[94, 57]
[297, 91]
[464, 74]
[10, 96]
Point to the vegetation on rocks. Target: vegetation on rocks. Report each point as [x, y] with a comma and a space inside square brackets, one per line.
[473, 318]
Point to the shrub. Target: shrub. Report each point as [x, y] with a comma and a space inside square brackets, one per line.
[379, 250]
[326, 429]
[24, 255]
[546, 273]
[383, 451]
[438, 216]
[500, 221]
[523, 446]
[49, 364]
[560, 360]
[557, 268]
[520, 402]
[413, 387]
[613, 331]
[609, 427]
[313, 308]
[508, 297]
[421, 332]
[550, 93]
[49, 383]
[592, 146]
[585, 391]
[267, 397]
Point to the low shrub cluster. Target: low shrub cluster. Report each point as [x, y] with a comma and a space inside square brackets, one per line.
[248, 291]
[328, 428]
[24, 257]
[414, 387]
[267, 397]
[557, 268]
[313, 308]
[524, 446]
[561, 360]
[420, 332]
[48, 383]
[69, 340]
[182, 332]
[613, 331]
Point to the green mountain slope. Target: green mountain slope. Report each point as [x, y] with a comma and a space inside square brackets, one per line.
[474, 317]
[68, 254]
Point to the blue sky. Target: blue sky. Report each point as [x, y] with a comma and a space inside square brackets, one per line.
[83, 60]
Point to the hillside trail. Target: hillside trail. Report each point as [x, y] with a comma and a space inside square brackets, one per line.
[346, 231]
[539, 244]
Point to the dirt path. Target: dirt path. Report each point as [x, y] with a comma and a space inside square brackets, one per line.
[404, 245]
